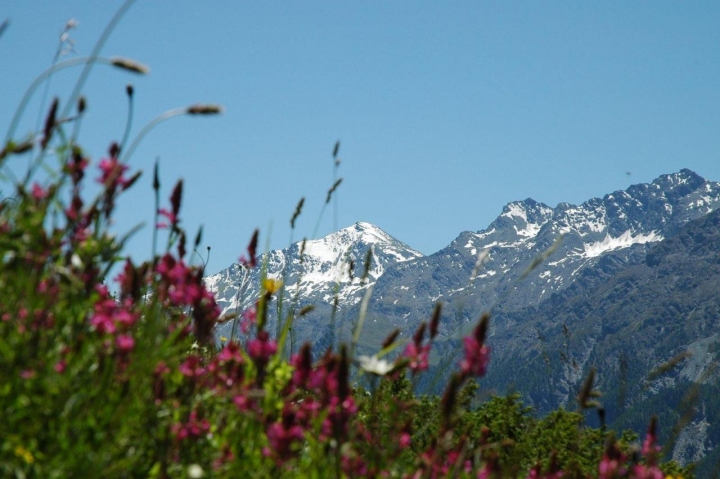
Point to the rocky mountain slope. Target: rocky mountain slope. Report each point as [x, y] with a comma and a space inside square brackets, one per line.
[650, 330]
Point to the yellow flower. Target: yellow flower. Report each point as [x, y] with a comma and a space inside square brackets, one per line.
[24, 454]
[272, 285]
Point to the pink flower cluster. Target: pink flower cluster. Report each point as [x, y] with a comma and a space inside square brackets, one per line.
[114, 318]
[613, 463]
[38, 192]
[228, 367]
[193, 428]
[171, 218]
[192, 367]
[477, 354]
[261, 348]
[112, 174]
[650, 451]
[418, 356]
[316, 392]
[286, 433]
[182, 286]
[416, 353]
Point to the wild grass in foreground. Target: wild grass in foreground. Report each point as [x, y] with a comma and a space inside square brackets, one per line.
[132, 384]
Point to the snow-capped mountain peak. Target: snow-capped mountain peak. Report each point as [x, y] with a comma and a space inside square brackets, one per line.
[359, 236]
[317, 270]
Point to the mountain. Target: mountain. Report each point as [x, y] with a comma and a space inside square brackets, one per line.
[606, 233]
[485, 270]
[651, 331]
[624, 284]
[313, 273]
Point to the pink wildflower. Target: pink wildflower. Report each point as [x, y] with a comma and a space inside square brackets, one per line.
[192, 367]
[183, 286]
[650, 451]
[477, 354]
[476, 358]
[113, 173]
[354, 466]
[337, 421]
[302, 362]
[227, 367]
[169, 215]
[108, 313]
[283, 435]
[39, 192]
[242, 402]
[230, 353]
[193, 428]
[650, 447]
[418, 357]
[261, 348]
[641, 471]
[60, 366]
[125, 343]
[252, 252]
[74, 211]
[416, 353]
[612, 463]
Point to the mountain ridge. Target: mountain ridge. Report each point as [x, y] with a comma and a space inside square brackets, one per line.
[597, 227]
[407, 283]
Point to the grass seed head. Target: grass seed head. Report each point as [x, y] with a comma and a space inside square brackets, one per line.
[129, 65]
[204, 109]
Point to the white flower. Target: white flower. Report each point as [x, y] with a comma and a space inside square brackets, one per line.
[374, 365]
[76, 261]
[195, 471]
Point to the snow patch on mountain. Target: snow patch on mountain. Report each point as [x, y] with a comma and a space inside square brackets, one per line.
[625, 240]
[515, 210]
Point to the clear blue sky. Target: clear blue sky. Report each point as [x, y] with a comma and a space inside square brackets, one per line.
[445, 110]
